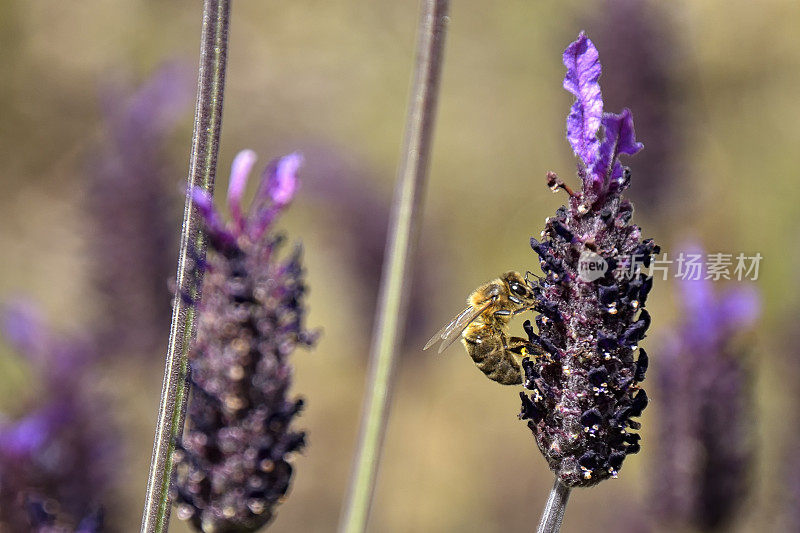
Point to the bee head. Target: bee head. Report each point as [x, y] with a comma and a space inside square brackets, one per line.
[518, 287]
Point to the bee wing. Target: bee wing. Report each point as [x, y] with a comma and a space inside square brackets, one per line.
[452, 331]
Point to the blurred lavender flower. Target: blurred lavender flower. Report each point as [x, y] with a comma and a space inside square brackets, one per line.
[705, 445]
[640, 48]
[56, 462]
[361, 210]
[233, 465]
[791, 509]
[789, 487]
[130, 199]
[585, 390]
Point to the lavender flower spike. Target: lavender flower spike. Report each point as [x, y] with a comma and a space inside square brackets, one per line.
[705, 453]
[57, 461]
[233, 465]
[585, 390]
[129, 199]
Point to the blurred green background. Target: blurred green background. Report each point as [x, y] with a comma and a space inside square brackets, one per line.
[331, 79]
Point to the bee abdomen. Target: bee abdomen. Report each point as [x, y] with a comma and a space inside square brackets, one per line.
[493, 359]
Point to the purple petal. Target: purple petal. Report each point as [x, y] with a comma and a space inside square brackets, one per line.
[25, 329]
[278, 186]
[583, 70]
[697, 295]
[620, 138]
[27, 435]
[204, 204]
[240, 170]
[710, 316]
[283, 182]
[161, 102]
[626, 136]
[139, 122]
[740, 307]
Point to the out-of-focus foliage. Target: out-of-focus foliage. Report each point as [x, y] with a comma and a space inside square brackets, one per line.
[335, 75]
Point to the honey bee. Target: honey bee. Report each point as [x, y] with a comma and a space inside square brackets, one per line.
[483, 328]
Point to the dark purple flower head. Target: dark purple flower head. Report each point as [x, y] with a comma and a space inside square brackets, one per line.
[233, 466]
[705, 424]
[56, 461]
[586, 387]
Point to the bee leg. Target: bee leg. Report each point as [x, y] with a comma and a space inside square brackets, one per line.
[520, 348]
[522, 310]
[515, 350]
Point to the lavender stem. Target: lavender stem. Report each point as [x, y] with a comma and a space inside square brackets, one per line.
[202, 170]
[403, 230]
[553, 513]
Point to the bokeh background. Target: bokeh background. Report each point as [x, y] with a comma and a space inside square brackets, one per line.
[712, 85]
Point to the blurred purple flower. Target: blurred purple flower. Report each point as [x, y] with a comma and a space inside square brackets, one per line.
[791, 509]
[789, 517]
[642, 50]
[347, 192]
[233, 466]
[132, 197]
[29, 434]
[59, 360]
[56, 460]
[44, 521]
[706, 419]
[585, 385]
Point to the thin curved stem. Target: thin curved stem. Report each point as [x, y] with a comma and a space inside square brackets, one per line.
[202, 171]
[554, 509]
[403, 230]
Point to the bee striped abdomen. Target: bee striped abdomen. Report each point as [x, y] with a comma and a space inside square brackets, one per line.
[490, 356]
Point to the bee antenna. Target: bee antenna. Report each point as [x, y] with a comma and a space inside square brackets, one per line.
[528, 274]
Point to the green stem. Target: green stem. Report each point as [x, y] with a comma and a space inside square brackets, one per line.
[403, 230]
[554, 509]
[202, 170]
